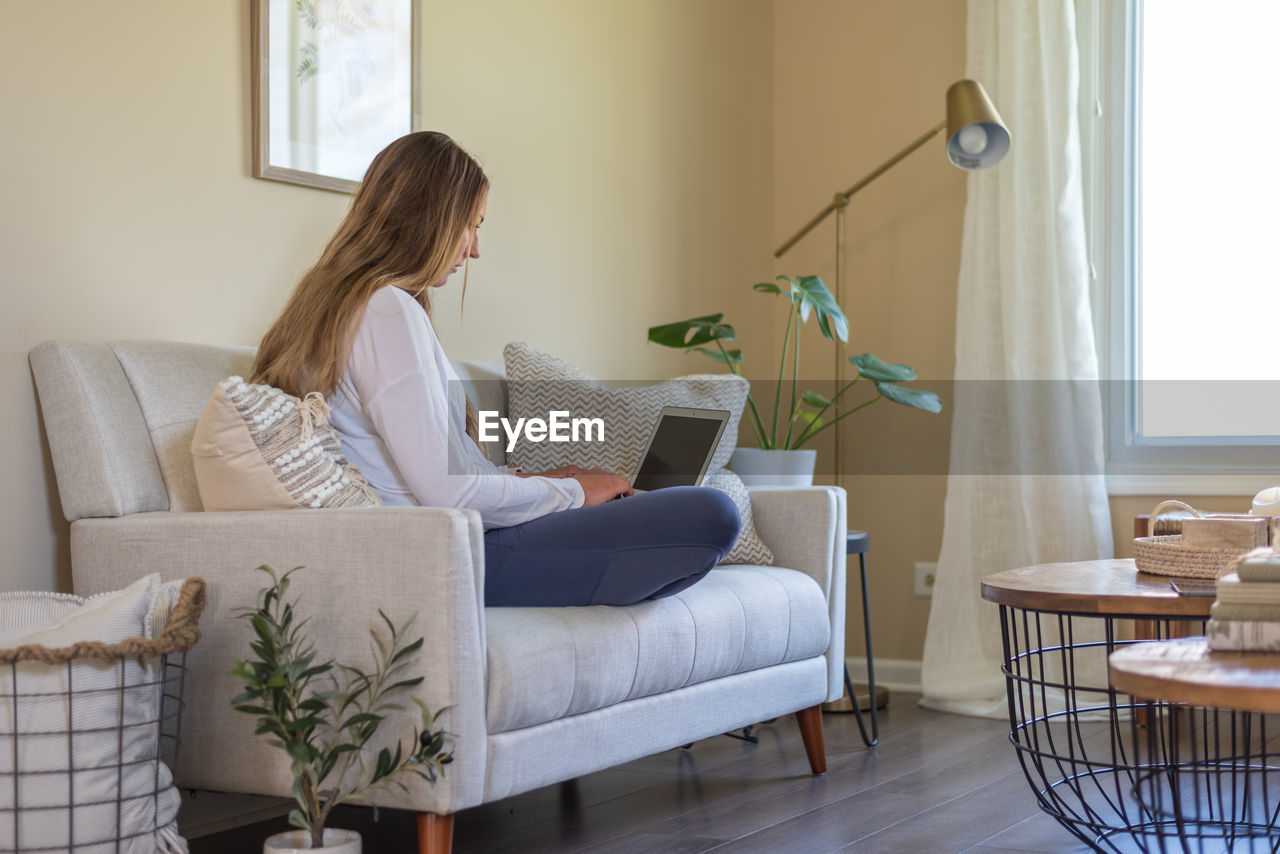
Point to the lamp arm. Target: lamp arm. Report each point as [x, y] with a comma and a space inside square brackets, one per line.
[842, 199]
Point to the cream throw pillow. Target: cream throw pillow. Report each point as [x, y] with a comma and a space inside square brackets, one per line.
[257, 448]
[538, 383]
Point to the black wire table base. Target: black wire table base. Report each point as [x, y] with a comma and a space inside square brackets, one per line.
[1126, 774]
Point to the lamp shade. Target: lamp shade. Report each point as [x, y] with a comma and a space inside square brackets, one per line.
[976, 136]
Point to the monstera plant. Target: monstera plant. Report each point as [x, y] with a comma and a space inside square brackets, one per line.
[792, 422]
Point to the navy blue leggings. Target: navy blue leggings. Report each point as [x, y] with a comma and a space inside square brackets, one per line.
[643, 547]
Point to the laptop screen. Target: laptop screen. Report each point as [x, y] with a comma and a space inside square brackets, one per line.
[679, 450]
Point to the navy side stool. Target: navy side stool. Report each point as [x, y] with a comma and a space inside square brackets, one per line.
[857, 543]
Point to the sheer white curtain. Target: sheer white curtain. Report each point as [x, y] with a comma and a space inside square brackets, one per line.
[1026, 483]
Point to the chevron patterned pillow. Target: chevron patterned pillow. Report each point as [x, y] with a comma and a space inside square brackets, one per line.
[538, 383]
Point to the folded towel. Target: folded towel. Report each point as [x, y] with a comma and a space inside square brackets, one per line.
[1260, 565]
[1231, 590]
[1232, 611]
[1253, 635]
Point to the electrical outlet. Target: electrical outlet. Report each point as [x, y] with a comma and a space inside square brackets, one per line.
[925, 575]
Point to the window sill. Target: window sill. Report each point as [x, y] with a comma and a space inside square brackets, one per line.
[1192, 483]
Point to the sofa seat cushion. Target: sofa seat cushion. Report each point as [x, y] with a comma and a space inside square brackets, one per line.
[549, 663]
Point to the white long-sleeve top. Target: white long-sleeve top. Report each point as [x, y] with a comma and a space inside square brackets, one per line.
[401, 411]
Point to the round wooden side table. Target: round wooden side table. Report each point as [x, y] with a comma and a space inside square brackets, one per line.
[1215, 775]
[1059, 622]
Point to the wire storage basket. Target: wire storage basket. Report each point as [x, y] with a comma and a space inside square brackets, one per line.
[88, 734]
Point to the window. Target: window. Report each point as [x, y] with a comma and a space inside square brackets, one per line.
[1177, 135]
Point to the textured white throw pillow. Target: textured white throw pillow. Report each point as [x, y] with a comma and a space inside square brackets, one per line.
[257, 448]
[112, 707]
[538, 383]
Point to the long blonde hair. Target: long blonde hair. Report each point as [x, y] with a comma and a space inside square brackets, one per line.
[416, 205]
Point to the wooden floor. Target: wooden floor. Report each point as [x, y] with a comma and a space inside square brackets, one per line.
[936, 783]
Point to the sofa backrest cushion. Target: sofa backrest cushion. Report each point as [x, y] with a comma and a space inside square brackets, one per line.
[102, 455]
[120, 417]
[172, 383]
[486, 386]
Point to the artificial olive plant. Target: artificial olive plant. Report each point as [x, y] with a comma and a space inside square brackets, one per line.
[324, 714]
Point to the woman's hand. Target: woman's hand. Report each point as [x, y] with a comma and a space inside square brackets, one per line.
[600, 486]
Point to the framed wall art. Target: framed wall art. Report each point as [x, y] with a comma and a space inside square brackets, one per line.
[334, 81]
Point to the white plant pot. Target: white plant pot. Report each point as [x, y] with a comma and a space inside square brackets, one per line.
[774, 468]
[292, 841]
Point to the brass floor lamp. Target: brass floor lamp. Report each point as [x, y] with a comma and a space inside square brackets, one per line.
[976, 139]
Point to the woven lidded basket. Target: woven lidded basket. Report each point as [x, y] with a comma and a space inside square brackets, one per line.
[1168, 555]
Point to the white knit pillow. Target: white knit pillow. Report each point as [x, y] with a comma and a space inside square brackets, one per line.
[257, 448]
[538, 383]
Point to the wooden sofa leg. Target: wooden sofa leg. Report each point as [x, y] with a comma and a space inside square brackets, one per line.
[435, 833]
[810, 721]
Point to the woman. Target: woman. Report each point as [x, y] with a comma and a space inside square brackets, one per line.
[357, 329]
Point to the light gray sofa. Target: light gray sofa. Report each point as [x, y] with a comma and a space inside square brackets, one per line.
[537, 695]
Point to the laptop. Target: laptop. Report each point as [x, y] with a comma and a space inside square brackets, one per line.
[680, 448]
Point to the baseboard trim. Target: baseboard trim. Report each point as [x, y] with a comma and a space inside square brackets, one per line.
[203, 813]
[896, 674]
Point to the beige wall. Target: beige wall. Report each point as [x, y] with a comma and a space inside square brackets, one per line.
[628, 147]
[854, 83]
[628, 143]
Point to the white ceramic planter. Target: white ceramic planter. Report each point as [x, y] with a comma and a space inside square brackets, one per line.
[292, 841]
[774, 468]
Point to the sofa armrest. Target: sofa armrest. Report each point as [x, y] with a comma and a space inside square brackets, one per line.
[428, 561]
[805, 528]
